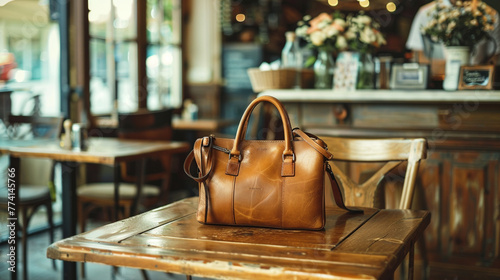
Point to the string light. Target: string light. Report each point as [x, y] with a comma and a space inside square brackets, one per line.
[333, 3]
[240, 17]
[391, 7]
[364, 3]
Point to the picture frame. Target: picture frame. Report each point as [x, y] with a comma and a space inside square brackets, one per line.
[476, 77]
[409, 76]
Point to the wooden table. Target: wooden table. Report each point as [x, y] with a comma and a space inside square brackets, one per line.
[109, 151]
[354, 246]
[210, 125]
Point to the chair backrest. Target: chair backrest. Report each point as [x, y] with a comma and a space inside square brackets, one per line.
[40, 127]
[146, 125]
[389, 154]
[41, 170]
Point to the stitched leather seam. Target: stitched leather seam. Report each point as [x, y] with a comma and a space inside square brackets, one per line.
[232, 201]
[282, 199]
[268, 141]
[323, 211]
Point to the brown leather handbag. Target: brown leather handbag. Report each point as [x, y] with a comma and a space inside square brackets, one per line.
[277, 184]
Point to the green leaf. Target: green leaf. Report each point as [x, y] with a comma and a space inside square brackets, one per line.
[310, 61]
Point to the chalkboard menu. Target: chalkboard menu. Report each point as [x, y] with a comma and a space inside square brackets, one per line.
[476, 77]
[236, 59]
[237, 90]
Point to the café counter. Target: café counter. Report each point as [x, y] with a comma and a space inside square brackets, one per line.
[460, 175]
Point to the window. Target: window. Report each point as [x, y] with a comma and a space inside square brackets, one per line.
[28, 35]
[116, 84]
[164, 57]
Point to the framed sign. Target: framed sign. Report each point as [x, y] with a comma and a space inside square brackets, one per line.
[409, 76]
[476, 77]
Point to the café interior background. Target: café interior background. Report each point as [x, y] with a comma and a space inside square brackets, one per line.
[197, 49]
[212, 39]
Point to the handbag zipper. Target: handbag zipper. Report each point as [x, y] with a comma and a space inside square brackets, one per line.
[224, 150]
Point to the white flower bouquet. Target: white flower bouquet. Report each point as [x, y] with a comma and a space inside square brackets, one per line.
[323, 32]
[464, 24]
[339, 33]
[363, 34]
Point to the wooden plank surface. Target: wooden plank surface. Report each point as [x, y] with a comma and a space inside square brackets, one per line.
[6, 144]
[338, 227]
[367, 246]
[101, 150]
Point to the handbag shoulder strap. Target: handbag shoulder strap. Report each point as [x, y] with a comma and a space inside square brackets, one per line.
[322, 149]
[337, 194]
[205, 142]
[308, 137]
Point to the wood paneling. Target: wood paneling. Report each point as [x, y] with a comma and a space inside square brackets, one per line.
[430, 171]
[465, 211]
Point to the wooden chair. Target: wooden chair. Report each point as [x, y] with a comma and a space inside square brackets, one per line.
[393, 152]
[397, 160]
[139, 126]
[31, 197]
[22, 127]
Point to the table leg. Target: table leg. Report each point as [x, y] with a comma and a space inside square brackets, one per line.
[13, 184]
[140, 169]
[411, 261]
[69, 210]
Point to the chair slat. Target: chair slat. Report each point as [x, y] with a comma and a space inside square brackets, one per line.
[390, 151]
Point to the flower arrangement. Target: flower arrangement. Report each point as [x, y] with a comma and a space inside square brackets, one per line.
[323, 32]
[363, 34]
[464, 24]
[339, 33]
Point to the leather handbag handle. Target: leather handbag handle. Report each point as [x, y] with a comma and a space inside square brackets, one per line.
[240, 134]
[288, 167]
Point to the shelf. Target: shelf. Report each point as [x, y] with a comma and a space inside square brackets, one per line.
[384, 96]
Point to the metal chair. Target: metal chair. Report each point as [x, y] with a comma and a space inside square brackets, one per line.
[31, 197]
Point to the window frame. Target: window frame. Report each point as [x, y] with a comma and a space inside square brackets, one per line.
[83, 67]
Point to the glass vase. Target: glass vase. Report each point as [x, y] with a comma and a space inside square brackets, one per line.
[366, 73]
[323, 70]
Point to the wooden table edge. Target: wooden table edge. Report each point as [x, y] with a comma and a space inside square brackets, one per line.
[198, 267]
[63, 250]
[84, 157]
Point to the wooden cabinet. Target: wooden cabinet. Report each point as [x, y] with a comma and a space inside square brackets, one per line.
[460, 182]
[462, 192]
